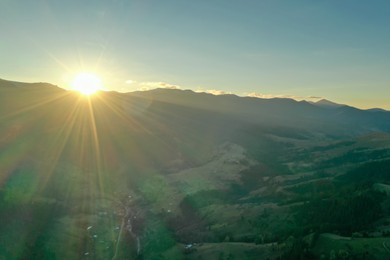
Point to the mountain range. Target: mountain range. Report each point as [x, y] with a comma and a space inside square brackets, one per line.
[176, 174]
[323, 116]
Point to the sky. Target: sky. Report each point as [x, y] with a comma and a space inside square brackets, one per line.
[305, 49]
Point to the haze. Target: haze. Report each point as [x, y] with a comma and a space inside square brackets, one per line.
[209, 129]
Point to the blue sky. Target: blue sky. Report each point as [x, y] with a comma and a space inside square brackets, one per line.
[336, 49]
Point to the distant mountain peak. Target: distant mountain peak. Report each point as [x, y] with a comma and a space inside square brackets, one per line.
[327, 103]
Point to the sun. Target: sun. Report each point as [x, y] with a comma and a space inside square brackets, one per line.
[86, 83]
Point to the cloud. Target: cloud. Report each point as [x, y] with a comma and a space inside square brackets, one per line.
[149, 85]
[268, 96]
[215, 92]
[129, 81]
[143, 86]
[261, 95]
[314, 97]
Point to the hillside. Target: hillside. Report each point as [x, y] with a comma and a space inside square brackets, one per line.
[174, 174]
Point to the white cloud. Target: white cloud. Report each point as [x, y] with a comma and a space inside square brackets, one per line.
[214, 92]
[129, 81]
[143, 86]
[261, 95]
[149, 85]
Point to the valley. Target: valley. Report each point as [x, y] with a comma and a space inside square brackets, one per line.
[172, 174]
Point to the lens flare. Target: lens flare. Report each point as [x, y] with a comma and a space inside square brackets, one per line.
[86, 83]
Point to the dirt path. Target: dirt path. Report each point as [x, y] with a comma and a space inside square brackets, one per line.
[118, 239]
[126, 226]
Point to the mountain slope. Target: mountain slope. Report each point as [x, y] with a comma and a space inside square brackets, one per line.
[342, 120]
[172, 174]
[328, 104]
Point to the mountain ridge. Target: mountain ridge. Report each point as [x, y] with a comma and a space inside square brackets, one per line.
[276, 112]
[322, 102]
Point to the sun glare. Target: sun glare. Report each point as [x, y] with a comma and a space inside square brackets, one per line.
[86, 83]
